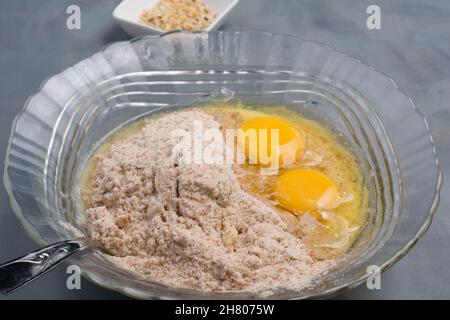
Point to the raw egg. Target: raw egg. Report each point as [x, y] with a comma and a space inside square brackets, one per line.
[269, 139]
[306, 190]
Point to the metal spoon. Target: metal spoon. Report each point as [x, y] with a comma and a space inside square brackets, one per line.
[19, 272]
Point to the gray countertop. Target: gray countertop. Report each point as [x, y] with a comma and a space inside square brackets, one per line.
[412, 47]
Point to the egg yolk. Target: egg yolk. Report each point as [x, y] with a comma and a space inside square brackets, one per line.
[287, 144]
[301, 190]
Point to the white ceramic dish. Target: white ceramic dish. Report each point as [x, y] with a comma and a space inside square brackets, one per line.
[128, 11]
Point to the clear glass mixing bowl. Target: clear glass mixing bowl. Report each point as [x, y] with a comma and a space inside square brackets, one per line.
[73, 111]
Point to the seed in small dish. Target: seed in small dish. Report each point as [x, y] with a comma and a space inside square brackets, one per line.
[178, 14]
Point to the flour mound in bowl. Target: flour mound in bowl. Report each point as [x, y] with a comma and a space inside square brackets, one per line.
[189, 225]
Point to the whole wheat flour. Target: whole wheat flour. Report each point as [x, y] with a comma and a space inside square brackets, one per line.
[189, 226]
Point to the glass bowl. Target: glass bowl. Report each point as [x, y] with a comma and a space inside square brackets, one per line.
[76, 109]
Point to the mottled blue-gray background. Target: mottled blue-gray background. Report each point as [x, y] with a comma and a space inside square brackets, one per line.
[413, 48]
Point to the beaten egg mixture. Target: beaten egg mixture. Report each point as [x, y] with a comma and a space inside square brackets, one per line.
[320, 192]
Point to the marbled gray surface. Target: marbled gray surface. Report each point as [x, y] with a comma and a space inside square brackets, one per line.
[413, 48]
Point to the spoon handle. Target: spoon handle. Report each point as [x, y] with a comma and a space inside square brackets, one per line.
[20, 271]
